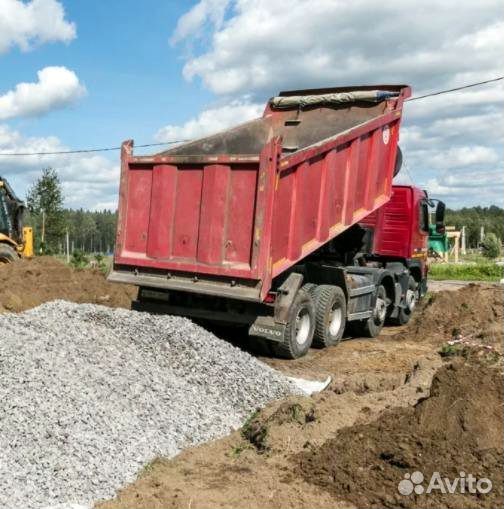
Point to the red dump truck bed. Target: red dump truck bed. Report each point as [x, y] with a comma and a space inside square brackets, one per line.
[226, 214]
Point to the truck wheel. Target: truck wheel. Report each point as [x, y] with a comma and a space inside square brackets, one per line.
[411, 300]
[309, 288]
[7, 254]
[330, 315]
[371, 327]
[300, 327]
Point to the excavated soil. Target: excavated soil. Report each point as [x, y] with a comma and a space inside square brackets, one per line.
[29, 283]
[404, 402]
[300, 452]
[474, 311]
[458, 428]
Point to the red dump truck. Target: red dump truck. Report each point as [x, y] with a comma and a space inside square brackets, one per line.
[284, 224]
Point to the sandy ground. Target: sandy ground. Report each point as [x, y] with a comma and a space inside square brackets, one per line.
[314, 452]
[29, 283]
[262, 465]
[450, 285]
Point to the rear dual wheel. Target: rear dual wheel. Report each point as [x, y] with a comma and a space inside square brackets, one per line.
[317, 318]
[298, 334]
[330, 315]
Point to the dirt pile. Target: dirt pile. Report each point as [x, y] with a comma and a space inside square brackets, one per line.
[474, 311]
[458, 428]
[259, 466]
[29, 283]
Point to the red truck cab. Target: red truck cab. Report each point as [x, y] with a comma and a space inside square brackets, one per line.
[401, 230]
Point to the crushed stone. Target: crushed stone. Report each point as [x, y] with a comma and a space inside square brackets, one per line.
[89, 395]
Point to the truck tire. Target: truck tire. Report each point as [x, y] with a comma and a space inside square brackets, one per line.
[7, 254]
[371, 327]
[309, 288]
[298, 335]
[411, 300]
[330, 315]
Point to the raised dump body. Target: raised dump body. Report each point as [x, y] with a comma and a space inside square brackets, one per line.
[226, 214]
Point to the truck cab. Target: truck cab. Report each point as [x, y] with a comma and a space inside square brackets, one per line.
[400, 233]
[400, 230]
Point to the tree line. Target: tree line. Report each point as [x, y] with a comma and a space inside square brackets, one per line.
[491, 219]
[94, 232]
[87, 231]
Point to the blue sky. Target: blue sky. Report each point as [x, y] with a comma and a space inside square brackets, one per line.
[132, 74]
[100, 72]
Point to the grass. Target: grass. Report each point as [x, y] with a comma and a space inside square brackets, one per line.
[476, 257]
[149, 467]
[485, 271]
[237, 449]
[87, 261]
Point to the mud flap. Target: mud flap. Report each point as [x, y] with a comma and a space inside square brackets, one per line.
[266, 327]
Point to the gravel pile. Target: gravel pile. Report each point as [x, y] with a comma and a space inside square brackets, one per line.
[89, 394]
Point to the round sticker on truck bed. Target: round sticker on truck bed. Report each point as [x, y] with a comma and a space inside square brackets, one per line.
[386, 134]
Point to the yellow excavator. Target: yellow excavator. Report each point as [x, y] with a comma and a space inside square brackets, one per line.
[16, 240]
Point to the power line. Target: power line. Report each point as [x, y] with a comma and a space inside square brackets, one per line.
[406, 167]
[145, 145]
[455, 89]
[88, 150]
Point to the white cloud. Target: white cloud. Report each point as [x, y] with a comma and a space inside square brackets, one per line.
[266, 43]
[211, 121]
[89, 180]
[25, 24]
[486, 186]
[457, 103]
[459, 157]
[262, 46]
[56, 87]
[203, 13]
[479, 127]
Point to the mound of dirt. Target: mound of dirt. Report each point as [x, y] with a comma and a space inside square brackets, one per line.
[475, 311]
[458, 428]
[259, 466]
[29, 283]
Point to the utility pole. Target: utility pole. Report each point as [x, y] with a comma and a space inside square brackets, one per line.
[42, 236]
[67, 246]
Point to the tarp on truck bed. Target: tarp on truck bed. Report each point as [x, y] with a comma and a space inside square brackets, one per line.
[305, 101]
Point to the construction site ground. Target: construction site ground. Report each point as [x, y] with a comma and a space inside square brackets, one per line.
[406, 401]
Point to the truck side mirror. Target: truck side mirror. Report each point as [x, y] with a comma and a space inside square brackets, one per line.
[440, 214]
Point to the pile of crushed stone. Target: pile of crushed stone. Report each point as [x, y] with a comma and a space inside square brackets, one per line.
[458, 428]
[89, 394]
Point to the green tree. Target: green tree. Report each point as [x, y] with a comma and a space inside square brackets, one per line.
[45, 205]
[88, 231]
[473, 218]
[491, 246]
